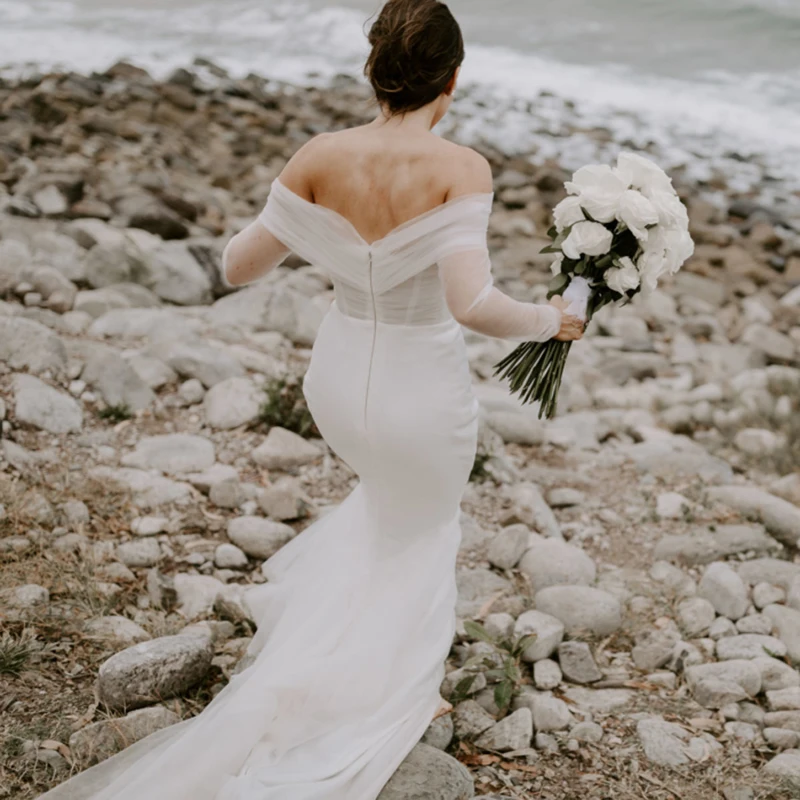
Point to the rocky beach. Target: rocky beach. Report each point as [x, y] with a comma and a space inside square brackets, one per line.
[156, 449]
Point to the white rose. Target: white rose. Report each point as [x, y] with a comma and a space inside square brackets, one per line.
[623, 278]
[555, 267]
[567, 213]
[671, 211]
[637, 212]
[679, 246]
[640, 173]
[652, 265]
[599, 190]
[587, 238]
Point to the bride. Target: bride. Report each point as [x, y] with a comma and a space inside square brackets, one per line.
[357, 617]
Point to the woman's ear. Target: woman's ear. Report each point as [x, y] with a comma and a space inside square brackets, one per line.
[451, 87]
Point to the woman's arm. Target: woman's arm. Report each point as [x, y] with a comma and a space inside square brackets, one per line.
[251, 254]
[469, 288]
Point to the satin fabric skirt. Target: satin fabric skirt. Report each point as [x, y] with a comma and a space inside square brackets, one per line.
[358, 613]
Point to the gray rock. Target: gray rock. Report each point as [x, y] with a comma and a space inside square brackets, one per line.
[655, 649]
[210, 365]
[754, 623]
[440, 732]
[139, 553]
[790, 720]
[37, 404]
[233, 402]
[166, 328]
[76, 512]
[546, 674]
[781, 518]
[470, 720]
[671, 505]
[100, 740]
[173, 453]
[530, 507]
[776, 674]
[116, 629]
[28, 345]
[499, 626]
[787, 628]
[695, 616]
[684, 458]
[284, 450]
[284, 500]
[516, 428]
[704, 546]
[452, 679]
[577, 662]
[720, 628]
[581, 609]
[589, 732]
[784, 699]
[565, 498]
[746, 674]
[476, 588]
[765, 594]
[19, 601]
[196, 594]
[725, 590]
[507, 547]
[549, 632]
[599, 701]
[227, 494]
[148, 490]
[429, 774]
[546, 742]
[780, 738]
[149, 526]
[786, 766]
[665, 743]
[714, 693]
[552, 562]
[771, 570]
[117, 382]
[749, 645]
[259, 537]
[218, 473]
[155, 670]
[153, 372]
[513, 732]
[191, 392]
[551, 714]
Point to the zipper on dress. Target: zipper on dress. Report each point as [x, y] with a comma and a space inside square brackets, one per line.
[374, 339]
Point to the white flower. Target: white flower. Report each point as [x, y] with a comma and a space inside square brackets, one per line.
[652, 265]
[678, 248]
[623, 278]
[567, 213]
[637, 212]
[640, 173]
[599, 189]
[671, 211]
[555, 267]
[587, 238]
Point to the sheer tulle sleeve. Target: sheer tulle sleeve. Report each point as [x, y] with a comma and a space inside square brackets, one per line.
[478, 304]
[254, 251]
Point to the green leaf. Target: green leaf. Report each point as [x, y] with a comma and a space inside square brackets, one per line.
[462, 689]
[496, 674]
[525, 642]
[551, 248]
[476, 631]
[580, 268]
[553, 232]
[559, 283]
[503, 693]
[473, 661]
[512, 671]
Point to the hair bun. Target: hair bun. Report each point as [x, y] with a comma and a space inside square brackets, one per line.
[417, 46]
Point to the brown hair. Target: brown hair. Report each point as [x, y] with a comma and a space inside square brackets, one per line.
[417, 46]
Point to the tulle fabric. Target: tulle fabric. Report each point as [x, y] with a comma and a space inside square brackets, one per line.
[358, 612]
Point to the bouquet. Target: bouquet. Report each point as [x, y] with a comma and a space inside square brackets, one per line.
[616, 234]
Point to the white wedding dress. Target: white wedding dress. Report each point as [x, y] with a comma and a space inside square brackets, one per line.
[357, 617]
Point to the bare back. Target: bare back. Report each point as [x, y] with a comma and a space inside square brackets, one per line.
[380, 177]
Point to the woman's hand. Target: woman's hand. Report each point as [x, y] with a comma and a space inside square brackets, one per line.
[572, 328]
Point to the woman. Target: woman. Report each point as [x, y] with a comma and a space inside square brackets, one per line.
[357, 617]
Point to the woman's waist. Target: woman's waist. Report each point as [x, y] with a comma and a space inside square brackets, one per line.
[403, 325]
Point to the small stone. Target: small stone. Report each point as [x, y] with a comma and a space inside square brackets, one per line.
[552, 562]
[440, 732]
[549, 632]
[284, 450]
[671, 505]
[232, 403]
[470, 720]
[76, 512]
[507, 547]
[149, 526]
[765, 594]
[695, 616]
[714, 693]
[781, 738]
[499, 626]
[427, 771]
[787, 766]
[116, 629]
[720, 628]
[589, 732]
[259, 537]
[229, 556]
[551, 714]
[452, 679]
[749, 645]
[191, 392]
[546, 742]
[745, 673]
[786, 623]
[284, 500]
[655, 650]
[565, 498]
[754, 623]
[742, 732]
[666, 680]
[581, 609]
[546, 674]
[139, 553]
[776, 674]
[43, 407]
[173, 453]
[784, 699]
[513, 732]
[577, 662]
[664, 743]
[725, 590]
[196, 594]
[227, 494]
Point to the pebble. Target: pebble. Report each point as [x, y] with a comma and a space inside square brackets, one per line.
[549, 633]
[507, 546]
[139, 553]
[725, 590]
[149, 526]
[546, 674]
[695, 616]
[551, 714]
[259, 537]
[513, 732]
[229, 556]
[581, 609]
[670, 505]
[284, 450]
[552, 562]
[577, 663]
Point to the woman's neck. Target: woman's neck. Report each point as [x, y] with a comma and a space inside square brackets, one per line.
[423, 119]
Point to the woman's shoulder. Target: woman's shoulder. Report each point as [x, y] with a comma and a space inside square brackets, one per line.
[469, 172]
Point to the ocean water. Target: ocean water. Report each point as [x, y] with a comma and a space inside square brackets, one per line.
[708, 86]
